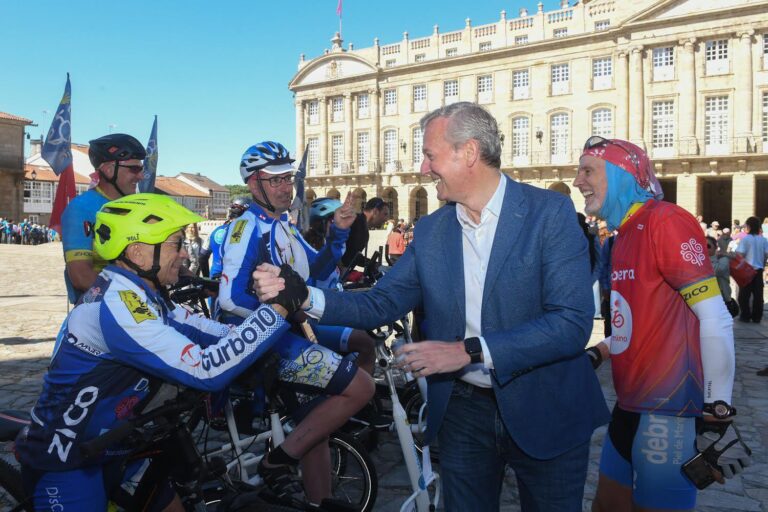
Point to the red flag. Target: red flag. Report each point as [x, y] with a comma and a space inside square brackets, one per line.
[65, 192]
[338, 9]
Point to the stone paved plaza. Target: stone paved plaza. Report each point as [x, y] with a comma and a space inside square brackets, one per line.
[33, 304]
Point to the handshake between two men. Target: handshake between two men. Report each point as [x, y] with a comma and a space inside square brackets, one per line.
[287, 292]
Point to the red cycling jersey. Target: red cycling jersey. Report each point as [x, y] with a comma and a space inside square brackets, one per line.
[658, 259]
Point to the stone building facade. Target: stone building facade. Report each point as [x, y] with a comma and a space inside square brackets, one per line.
[12, 165]
[685, 79]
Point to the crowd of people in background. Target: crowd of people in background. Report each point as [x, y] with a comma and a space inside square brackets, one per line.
[25, 232]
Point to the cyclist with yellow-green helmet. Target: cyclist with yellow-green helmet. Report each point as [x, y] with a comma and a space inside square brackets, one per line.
[122, 340]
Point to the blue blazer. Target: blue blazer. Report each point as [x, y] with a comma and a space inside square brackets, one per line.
[537, 315]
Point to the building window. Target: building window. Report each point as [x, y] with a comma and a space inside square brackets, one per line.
[313, 109]
[560, 32]
[560, 79]
[450, 91]
[716, 56]
[419, 98]
[602, 73]
[521, 39]
[520, 85]
[40, 194]
[520, 141]
[390, 63]
[417, 138]
[451, 52]
[313, 153]
[765, 120]
[662, 128]
[765, 51]
[663, 64]
[420, 57]
[485, 89]
[390, 102]
[390, 150]
[337, 153]
[363, 151]
[602, 123]
[602, 25]
[362, 106]
[558, 138]
[716, 124]
[337, 110]
[485, 46]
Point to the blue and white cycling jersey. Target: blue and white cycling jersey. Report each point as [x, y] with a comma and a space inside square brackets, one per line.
[214, 243]
[77, 245]
[114, 347]
[255, 238]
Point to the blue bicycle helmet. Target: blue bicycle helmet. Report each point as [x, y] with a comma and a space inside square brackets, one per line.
[270, 157]
[323, 208]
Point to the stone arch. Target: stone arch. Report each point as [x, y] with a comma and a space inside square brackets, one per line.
[389, 195]
[561, 187]
[360, 197]
[310, 195]
[332, 192]
[419, 203]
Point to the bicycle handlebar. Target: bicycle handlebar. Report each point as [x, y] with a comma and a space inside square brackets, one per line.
[183, 403]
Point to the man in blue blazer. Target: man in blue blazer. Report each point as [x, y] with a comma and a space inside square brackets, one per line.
[502, 274]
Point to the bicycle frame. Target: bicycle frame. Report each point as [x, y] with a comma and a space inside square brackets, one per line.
[420, 472]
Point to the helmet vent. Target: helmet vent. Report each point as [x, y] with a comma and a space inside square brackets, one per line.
[115, 211]
[151, 219]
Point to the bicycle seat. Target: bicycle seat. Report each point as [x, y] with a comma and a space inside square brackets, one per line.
[11, 422]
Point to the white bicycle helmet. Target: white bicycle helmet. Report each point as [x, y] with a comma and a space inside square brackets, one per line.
[270, 157]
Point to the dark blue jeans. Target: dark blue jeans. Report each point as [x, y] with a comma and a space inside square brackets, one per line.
[475, 448]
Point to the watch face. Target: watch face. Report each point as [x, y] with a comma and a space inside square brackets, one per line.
[722, 411]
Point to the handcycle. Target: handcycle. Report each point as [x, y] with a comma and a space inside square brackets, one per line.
[353, 476]
[161, 438]
[409, 420]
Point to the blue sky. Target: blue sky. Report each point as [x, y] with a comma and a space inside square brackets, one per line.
[215, 72]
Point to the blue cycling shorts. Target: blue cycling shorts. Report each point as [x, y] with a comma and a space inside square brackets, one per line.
[646, 452]
[333, 337]
[88, 488]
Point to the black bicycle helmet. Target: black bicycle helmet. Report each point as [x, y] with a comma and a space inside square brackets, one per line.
[115, 147]
[238, 207]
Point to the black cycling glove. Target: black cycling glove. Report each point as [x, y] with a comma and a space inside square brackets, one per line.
[295, 292]
[722, 446]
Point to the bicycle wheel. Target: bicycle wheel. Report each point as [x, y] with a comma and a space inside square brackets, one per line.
[11, 490]
[354, 478]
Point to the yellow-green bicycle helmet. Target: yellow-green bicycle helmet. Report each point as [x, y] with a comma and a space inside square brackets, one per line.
[145, 218]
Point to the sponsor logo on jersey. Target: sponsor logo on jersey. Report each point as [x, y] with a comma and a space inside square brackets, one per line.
[237, 232]
[699, 291]
[623, 275]
[124, 408]
[692, 252]
[137, 307]
[190, 355]
[251, 332]
[621, 321]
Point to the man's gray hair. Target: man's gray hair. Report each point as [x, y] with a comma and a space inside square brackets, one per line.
[469, 121]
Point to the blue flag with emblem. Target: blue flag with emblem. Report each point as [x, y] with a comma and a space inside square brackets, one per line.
[147, 183]
[300, 208]
[57, 150]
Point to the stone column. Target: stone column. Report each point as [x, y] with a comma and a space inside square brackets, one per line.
[300, 120]
[742, 104]
[636, 96]
[375, 103]
[743, 192]
[323, 113]
[622, 90]
[348, 131]
[687, 99]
